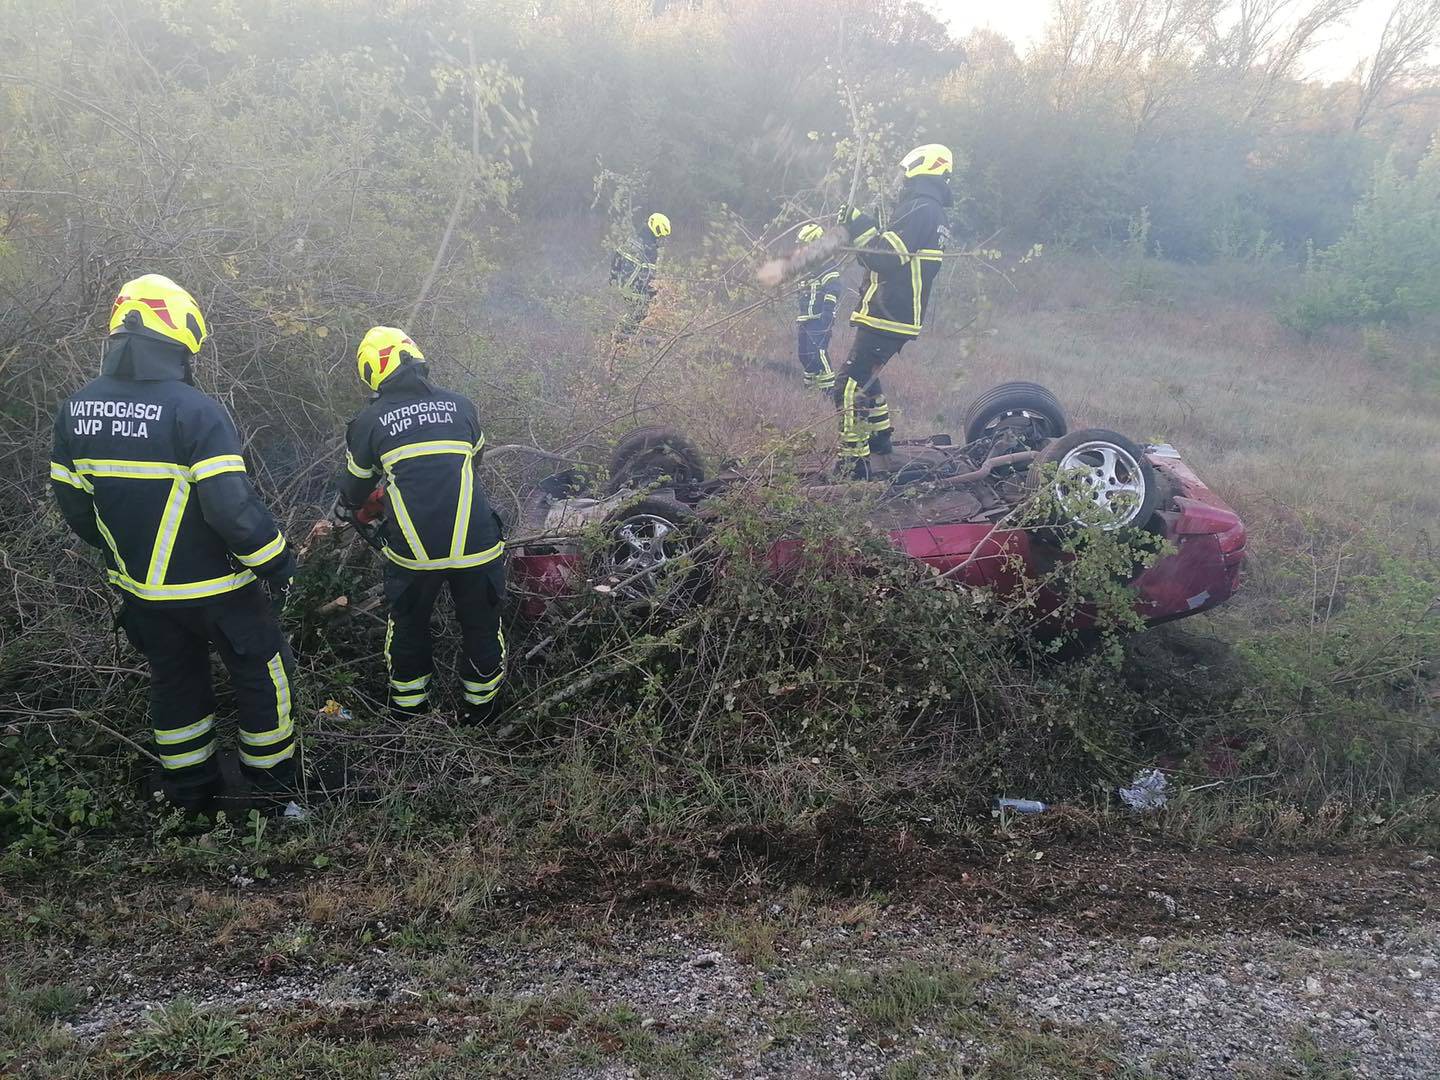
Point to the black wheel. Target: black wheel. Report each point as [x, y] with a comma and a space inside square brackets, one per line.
[1099, 479]
[650, 454]
[645, 551]
[1024, 405]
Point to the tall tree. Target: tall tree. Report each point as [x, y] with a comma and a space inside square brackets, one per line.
[1411, 32]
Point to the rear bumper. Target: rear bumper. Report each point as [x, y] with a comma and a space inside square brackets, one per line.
[1195, 578]
[1209, 539]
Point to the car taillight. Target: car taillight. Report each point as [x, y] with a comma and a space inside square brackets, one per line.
[1232, 539]
[1203, 518]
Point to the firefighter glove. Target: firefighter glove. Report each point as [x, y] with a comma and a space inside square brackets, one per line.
[277, 581]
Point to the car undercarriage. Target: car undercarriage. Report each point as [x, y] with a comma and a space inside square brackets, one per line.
[968, 509]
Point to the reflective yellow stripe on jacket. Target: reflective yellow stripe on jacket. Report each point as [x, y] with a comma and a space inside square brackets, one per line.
[355, 469]
[466, 562]
[214, 466]
[181, 478]
[66, 476]
[261, 555]
[147, 470]
[915, 261]
[190, 590]
[456, 559]
[818, 294]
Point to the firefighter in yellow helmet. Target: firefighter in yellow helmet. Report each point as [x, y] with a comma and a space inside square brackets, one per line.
[423, 444]
[901, 261]
[147, 469]
[633, 266]
[818, 293]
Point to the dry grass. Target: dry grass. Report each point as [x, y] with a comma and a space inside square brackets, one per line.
[1343, 427]
[1279, 425]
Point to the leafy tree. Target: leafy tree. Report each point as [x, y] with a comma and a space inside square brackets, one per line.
[1385, 267]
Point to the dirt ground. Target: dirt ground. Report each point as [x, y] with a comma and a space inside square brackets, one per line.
[1117, 958]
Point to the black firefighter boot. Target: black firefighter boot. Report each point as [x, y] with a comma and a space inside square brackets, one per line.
[189, 791]
[479, 715]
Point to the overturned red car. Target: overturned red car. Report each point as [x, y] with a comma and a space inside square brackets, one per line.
[955, 508]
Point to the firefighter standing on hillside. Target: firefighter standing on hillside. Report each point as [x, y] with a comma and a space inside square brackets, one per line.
[633, 268]
[424, 444]
[148, 469]
[818, 294]
[902, 261]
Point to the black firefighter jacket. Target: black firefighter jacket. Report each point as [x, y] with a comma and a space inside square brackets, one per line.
[148, 469]
[633, 267]
[818, 295]
[902, 259]
[424, 443]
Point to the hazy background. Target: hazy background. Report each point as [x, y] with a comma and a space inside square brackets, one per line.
[1024, 22]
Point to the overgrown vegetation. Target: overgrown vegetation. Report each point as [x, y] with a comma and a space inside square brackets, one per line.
[1384, 267]
[450, 167]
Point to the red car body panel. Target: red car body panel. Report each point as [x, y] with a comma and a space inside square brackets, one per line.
[1203, 570]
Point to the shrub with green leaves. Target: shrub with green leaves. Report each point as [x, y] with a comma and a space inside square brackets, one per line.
[819, 654]
[1385, 267]
[1339, 674]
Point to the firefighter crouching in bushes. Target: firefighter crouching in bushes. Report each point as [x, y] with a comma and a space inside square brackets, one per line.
[902, 260]
[424, 444]
[147, 469]
[819, 293]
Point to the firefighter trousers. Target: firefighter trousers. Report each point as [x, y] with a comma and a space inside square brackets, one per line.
[477, 595]
[864, 413]
[176, 641]
[815, 357]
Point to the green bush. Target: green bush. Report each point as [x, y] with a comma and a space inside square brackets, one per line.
[1385, 267]
[298, 183]
[822, 664]
[1338, 673]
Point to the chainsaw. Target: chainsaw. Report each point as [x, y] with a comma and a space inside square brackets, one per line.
[367, 517]
[364, 519]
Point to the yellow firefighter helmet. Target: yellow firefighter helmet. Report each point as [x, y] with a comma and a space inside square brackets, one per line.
[382, 352]
[932, 159]
[154, 306]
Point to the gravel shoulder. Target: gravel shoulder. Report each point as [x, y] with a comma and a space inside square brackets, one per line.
[1329, 970]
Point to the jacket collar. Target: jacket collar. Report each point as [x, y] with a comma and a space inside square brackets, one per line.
[932, 187]
[134, 356]
[410, 379]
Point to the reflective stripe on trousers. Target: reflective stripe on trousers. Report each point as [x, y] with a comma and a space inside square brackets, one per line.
[854, 430]
[177, 642]
[864, 412]
[477, 593]
[815, 358]
[262, 748]
[482, 689]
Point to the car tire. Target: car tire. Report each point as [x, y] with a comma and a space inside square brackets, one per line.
[1117, 466]
[1012, 400]
[645, 536]
[649, 454]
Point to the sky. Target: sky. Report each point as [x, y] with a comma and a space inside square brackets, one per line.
[1023, 21]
